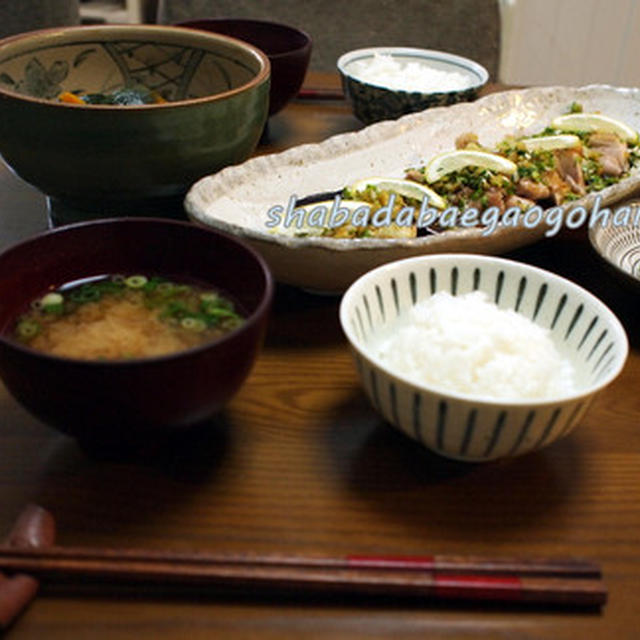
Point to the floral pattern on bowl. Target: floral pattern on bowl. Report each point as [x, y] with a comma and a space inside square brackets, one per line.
[174, 72]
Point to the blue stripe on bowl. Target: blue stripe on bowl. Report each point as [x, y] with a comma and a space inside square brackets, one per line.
[559, 309]
[542, 293]
[592, 324]
[574, 321]
[468, 432]
[476, 279]
[454, 281]
[433, 280]
[499, 285]
[365, 300]
[607, 365]
[602, 356]
[495, 436]
[413, 287]
[394, 292]
[380, 302]
[522, 286]
[524, 430]
[597, 343]
[547, 429]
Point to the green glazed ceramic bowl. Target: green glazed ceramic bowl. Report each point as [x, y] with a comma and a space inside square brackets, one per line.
[123, 159]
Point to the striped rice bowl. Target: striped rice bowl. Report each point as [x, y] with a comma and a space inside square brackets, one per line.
[466, 422]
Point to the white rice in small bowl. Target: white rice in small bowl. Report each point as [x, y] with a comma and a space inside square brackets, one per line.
[479, 357]
[467, 344]
[410, 74]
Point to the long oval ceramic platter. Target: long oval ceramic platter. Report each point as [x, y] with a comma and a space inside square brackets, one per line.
[238, 198]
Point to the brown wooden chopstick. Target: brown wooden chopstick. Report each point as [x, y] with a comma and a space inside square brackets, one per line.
[60, 563]
[472, 564]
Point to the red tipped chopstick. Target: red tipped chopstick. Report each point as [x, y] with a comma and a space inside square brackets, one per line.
[566, 582]
[560, 567]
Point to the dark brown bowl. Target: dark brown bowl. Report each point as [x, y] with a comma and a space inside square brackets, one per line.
[287, 48]
[122, 403]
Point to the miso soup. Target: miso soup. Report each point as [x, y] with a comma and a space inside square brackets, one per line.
[121, 317]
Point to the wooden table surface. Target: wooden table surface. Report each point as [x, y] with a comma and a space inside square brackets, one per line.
[299, 463]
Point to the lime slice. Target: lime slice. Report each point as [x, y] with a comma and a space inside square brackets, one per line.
[549, 143]
[594, 122]
[406, 188]
[446, 163]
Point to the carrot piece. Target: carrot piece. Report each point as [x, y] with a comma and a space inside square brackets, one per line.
[67, 96]
[157, 98]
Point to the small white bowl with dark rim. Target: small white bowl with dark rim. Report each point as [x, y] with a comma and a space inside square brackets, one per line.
[373, 101]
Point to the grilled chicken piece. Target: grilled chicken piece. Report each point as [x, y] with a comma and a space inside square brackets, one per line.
[532, 190]
[569, 169]
[516, 201]
[467, 140]
[415, 175]
[495, 198]
[613, 156]
[558, 187]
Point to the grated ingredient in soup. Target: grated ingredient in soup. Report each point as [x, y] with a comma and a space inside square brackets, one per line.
[119, 317]
[467, 345]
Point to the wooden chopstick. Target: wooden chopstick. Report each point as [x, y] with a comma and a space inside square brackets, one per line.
[313, 575]
[559, 567]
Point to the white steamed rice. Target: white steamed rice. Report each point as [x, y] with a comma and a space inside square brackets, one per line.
[467, 345]
[386, 71]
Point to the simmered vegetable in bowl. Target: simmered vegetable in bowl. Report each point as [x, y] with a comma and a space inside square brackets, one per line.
[125, 96]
